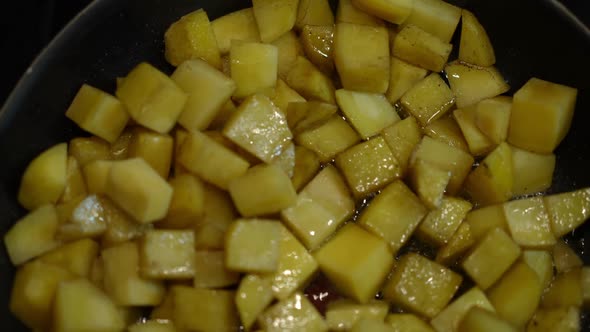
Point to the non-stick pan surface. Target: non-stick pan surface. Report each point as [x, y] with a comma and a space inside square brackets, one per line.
[531, 38]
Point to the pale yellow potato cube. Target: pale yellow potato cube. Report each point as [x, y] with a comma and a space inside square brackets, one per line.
[286, 161]
[253, 245]
[402, 137]
[284, 95]
[368, 324]
[307, 165]
[219, 214]
[471, 84]
[289, 48]
[526, 182]
[556, 319]
[86, 219]
[274, 17]
[152, 99]
[77, 257]
[492, 117]
[155, 148]
[529, 223]
[568, 210]
[564, 257]
[96, 174]
[491, 257]
[121, 226]
[479, 143]
[98, 113]
[263, 190]
[429, 183]
[210, 270]
[429, 99]
[475, 46]
[565, 290]
[441, 223]
[239, 25]
[192, 37]
[437, 17]
[309, 81]
[396, 11]
[451, 316]
[407, 322]
[329, 139]
[457, 245]
[302, 116]
[368, 166]
[167, 254]
[542, 263]
[447, 130]
[393, 214]
[314, 12]
[349, 13]
[421, 48]
[341, 315]
[482, 320]
[318, 44]
[32, 235]
[206, 310]
[356, 261]
[253, 296]
[361, 56]
[87, 149]
[152, 326]
[75, 184]
[44, 179]
[254, 67]
[402, 77]
[421, 285]
[295, 313]
[492, 180]
[369, 113]
[486, 218]
[188, 202]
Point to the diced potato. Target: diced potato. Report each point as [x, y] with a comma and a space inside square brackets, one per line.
[492, 256]
[361, 55]
[167, 254]
[152, 99]
[451, 316]
[323, 205]
[491, 181]
[407, 322]
[210, 271]
[492, 117]
[356, 261]
[420, 48]
[192, 37]
[274, 18]
[457, 245]
[471, 84]
[393, 214]
[314, 12]
[76, 257]
[96, 174]
[447, 130]
[341, 315]
[239, 25]
[429, 99]
[121, 227]
[557, 319]
[295, 313]
[402, 77]
[564, 257]
[253, 245]
[86, 219]
[310, 82]
[542, 263]
[479, 144]
[369, 113]
[421, 285]
[153, 326]
[429, 183]
[529, 223]
[402, 137]
[286, 160]
[204, 310]
[440, 224]
[122, 281]
[482, 320]
[516, 295]
[253, 296]
[396, 11]
[486, 218]
[318, 44]
[475, 46]
[289, 48]
[44, 179]
[88, 149]
[188, 202]
[263, 190]
[307, 164]
[302, 116]
[527, 182]
[218, 215]
[32, 235]
[284, 95]
[75, 184]
[81, 306]
[155, 148]
[254, 67]
[368, 324]
[329, 139]
[565, 290]
[436, 17]
[568, 210]
[348, 13]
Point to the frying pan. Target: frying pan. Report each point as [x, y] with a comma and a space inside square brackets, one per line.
[531, 38]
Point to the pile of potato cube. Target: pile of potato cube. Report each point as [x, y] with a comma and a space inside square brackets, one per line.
[291, 142]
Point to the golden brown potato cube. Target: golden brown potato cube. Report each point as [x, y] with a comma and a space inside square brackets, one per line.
[484, 219]
[369, 113]
[482, 320]
[421, 285]
[167, 254]
[263, 190]
[309, 81]
[564, 257]
[407, 322]
[155, 148]
[314, 12]
[88, 149]
[239, 25]
[32, 235]
[457, 245]
[274, 18]
[76, 257]
[192, 37]
[139, 190]
[81, 306]
[429, 183]
[96, 174]
[526, 182]
[33, 291]
[122, 281]
[318, 41]
[491, 182]
[447, 130]
[402, 137]
[516, 295]
[565, 290]
[253, 296]
[348, 13]
[152, 99]
[206, 310]
[207, 89]
[568, 210]
[253, 67]
[253, 245]
[471, 84]
[153, 326]
[450, 317]
[436, 17]
[188, 202]
[210, 271]
[329, 139]
[529, 222]
[479, 143]
[541, 115]
[295, 313]
[420, 48]
[492, 117]
[361, 55]
[492, 256]
[556, 319]
[356, 261]
[396, 11]
[368, 166]
[429, 99]
[341, 315]
[302, 116]
[44, 179]
[307, 165]
[475, 46]
[402, 77]
[542, 263]
[440, 224]
[75, 184]
[369, 324]
[393, 214]
[289, 48]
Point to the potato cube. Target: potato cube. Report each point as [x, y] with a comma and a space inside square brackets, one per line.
[219, 214]
[329, 139]
[568, 210]
[471, 84]
[206, 310]
[302, 116]
[86, 219]
[284, 95]
[167, 254]
[482, 320]
[393, 214]
[152, 326]
[485, 219]
[402, 137]
[492, 117]
[318, 44]
[75, 184]
[402, 77]
[437, 17]
[76, 257]
[121, 227]
[155, 148]
[348, 13]
[565, 258]
[447, 130]
[341, 315]
[516, 295]
[192, 37]
[210, 271]
[368, 166]
[542, 263]
[295, 313]
[396, 11]
[429, 182]
[529, 223]
[420, 48]
[361, 56]
[479, 144]
[239, 25]
[314, 12]
[475, 46]
[96, 174]
[457, 245]
[421, 285]
[289, 48]
[81, 306]
[429, 99]
[556, 319]
[310, 82]
[307, 164]
[253, 296]
[491, 181]
[88, 149]
[492, 256]
[450, 317]
[44, 179]
[152, 99]
[368, 324]
[407, 322]
[356, 261]
[369, 113]
[188, 202]
[527, 182]
[440, 224]
[253, 67]
[32, 235]
[565, 290]
[274, 18]
[253, 245]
